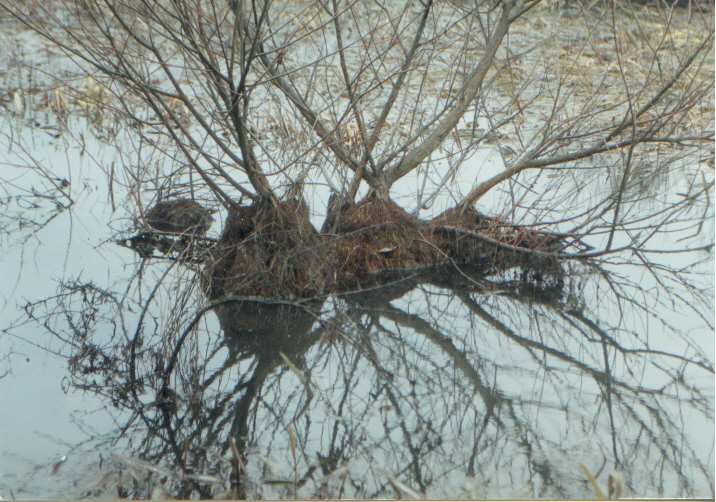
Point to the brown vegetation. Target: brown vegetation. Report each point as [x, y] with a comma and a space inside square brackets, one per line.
[253, 97]
[272, 250]
[267, 249]
[180, 216]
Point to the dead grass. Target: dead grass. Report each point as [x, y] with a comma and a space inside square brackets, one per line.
[268, 251]
[273, 250]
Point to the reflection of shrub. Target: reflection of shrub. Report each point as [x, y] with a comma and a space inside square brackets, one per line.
[266, 329]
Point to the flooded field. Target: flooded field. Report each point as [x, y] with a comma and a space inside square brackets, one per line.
[562, 345]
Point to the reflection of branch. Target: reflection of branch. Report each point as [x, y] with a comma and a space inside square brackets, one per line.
[452, 397]
[527, 439]
[148, 466]
[599, 376]
[624, 350]
[415, 452]
[222, 302]
[459, 359]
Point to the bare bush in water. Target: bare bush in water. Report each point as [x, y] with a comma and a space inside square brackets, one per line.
[539, 159]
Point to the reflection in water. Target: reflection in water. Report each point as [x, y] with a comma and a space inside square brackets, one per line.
[442, 384]
[452, 384]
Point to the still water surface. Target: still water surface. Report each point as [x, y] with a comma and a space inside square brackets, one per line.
[450, 384]
[443, 385]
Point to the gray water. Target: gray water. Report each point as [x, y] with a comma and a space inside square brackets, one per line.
[455, 384]
[448, 390]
